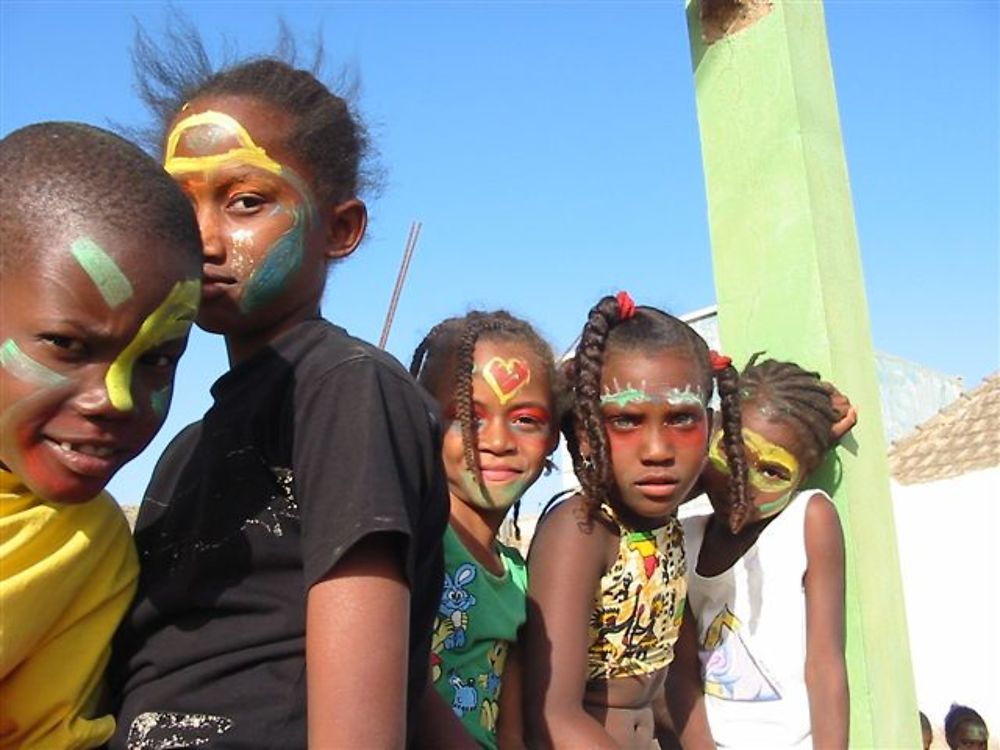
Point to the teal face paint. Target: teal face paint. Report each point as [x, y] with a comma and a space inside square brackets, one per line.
[102, 270]
[625, 397]
[24, 368]
[160, 401]
[622, 397]
[279, 267]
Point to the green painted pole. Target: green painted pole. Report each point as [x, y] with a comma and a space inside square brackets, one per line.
[788, 279]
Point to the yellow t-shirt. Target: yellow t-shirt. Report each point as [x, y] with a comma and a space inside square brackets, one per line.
[67, 575]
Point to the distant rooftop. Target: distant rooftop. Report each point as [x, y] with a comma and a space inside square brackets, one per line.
[962, 437]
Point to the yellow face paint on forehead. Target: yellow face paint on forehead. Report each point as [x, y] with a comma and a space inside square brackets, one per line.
[247, 152]
[761, 454]
[170, 321]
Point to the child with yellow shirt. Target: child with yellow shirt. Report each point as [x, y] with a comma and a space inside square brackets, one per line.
[99, 284]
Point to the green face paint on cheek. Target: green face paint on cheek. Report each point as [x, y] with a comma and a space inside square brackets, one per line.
[113, 285]
[282, 262]
[160, 401]
[774, 506]
[170, 321]
[24, 368]
[500, 498]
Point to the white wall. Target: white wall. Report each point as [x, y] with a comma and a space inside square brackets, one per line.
[949, 551]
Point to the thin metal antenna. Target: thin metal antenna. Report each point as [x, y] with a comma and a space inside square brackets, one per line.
[404, 267]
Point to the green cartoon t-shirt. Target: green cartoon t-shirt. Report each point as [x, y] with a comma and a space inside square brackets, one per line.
[477, 622]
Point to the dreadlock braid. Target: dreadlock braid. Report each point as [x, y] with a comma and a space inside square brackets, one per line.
[785, 392]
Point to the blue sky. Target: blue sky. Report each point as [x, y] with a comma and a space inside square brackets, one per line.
[551, 152]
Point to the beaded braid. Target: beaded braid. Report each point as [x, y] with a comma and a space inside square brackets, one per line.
[787, 392]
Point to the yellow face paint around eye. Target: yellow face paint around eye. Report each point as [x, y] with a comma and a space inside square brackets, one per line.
[247, 152]
[171, 320]
[760, 451]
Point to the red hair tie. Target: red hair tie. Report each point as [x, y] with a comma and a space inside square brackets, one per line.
[626, 305]
[719, 362]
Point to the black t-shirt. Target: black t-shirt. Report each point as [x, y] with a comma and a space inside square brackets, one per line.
[311, 445]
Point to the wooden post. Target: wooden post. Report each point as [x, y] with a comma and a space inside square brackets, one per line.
[788, 279]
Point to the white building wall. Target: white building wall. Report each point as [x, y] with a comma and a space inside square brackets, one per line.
[949, 550]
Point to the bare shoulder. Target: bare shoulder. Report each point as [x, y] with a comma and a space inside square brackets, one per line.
[570, 530]
[823, 531]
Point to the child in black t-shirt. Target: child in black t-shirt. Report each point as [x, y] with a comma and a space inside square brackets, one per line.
[290, 542]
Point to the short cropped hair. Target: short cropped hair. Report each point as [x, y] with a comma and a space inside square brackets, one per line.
[64, 173]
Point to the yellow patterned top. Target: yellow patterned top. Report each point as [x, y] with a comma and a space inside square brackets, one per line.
[639, 604]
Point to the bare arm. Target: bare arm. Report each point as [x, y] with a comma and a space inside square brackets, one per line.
[564, 569]
[685, 693]
[439, 727]
[825, 670]
[364, 600]
[510, 722]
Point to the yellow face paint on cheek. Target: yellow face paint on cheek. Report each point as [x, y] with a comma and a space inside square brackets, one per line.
[170, 321]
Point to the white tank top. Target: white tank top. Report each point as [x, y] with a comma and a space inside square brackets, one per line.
[752, 635]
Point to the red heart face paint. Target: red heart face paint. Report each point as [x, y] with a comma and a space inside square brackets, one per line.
[506, 377]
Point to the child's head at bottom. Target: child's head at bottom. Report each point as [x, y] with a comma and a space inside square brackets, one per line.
[642, 382]
[495, 380]
[965, 729]
[786, 416]
[100, 279]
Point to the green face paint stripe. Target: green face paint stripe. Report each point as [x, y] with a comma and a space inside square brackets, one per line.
[674, 397]
[160, 400]
[624, 398]
[102, 270]
[777, 504]
[23, 367]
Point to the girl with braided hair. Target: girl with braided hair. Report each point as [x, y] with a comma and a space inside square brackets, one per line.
[606, 568]
[766, 577]
[494, 378]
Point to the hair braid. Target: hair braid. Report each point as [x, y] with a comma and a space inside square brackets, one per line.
[464, 401]
[727, 381]
[594, 470]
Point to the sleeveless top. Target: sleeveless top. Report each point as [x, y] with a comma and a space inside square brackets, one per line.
[752, 635]
[638, 604]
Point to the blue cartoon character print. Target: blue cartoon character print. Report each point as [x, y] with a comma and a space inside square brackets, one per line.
[466, 698]
[456, 601]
